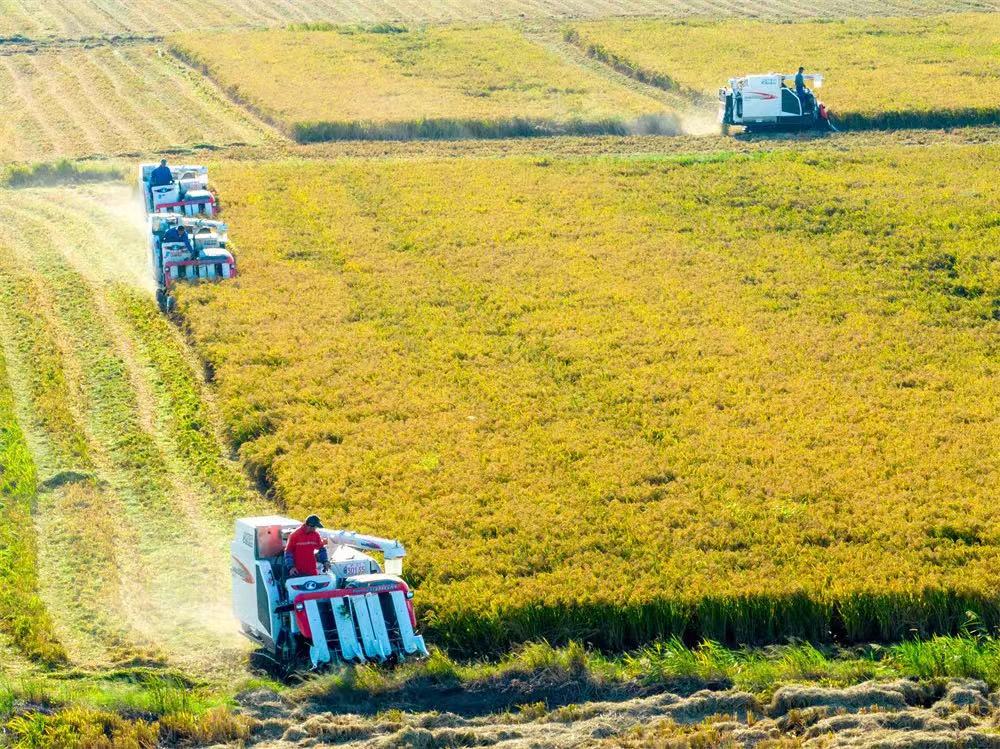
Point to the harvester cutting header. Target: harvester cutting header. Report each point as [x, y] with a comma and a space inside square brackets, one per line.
[185, 244]
[345, 608]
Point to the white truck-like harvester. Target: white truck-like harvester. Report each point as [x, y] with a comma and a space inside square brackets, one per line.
[186, 194]
[354, 611]
[199, 252]
[765, 102]
[185, 243]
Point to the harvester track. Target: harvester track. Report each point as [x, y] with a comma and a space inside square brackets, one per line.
[132, 535]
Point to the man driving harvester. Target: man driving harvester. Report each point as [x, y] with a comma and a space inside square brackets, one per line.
[305, 547]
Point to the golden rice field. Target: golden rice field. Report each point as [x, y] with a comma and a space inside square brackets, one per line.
[487, 81]
[937, 70]
[78, 18]
[742, 396]
[123, 100]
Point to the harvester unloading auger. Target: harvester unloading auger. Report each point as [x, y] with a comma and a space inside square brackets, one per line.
[353, 611]
[185, 243]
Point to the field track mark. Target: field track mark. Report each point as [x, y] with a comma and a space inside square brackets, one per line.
[551, 39]
[62, 98]
[80, 579]
[114, 101]
[124, 454]
[149, 129]
[188, 615]
[86, 76]
[104, 19]
[26, 101]
[36, 12]
[115, 16]
[194, 114]
[166, 80]
[87, 18]
[79, 572]
[254, 121]
[65, 22]
[127, 266]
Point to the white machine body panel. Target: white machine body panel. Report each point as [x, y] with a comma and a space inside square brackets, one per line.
[351, 611]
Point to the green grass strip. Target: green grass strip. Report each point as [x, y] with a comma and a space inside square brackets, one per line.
[62, 172]
[22, 614]
[180, 393]
[461, 129]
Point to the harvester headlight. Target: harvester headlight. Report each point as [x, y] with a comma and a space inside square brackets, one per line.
[409, 594]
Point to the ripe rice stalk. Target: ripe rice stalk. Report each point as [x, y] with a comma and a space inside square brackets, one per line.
[620, 399]
[880, 73]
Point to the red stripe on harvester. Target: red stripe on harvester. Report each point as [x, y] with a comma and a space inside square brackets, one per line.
[211, 200]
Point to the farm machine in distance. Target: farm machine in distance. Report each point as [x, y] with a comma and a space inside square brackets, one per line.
[765, 102]
[185, 243]
[353, 611]
[187, 193]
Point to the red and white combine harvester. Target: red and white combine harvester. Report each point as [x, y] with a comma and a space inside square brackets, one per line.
[187, 249]
[185, 244]
[354, 611]
[766, 102]
[187, 193]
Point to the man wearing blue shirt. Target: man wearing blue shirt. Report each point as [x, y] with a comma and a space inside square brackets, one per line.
[161, 175]
[177, 234]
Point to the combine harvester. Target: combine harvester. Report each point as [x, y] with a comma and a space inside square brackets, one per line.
[354, 611]
[185, 244]
[765, 102]
[187, 194]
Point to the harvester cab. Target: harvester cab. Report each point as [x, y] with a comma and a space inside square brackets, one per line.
[187, 193]
[767, 102]
[354, 611]
[187, 249]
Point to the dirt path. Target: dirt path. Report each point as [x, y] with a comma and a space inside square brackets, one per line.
[135, 523]
[887, 714]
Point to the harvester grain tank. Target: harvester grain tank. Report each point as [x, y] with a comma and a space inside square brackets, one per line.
[766, 102]
[354, 611]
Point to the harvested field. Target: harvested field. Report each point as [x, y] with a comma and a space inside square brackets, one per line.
[130, 493]
[776, 370]
[110, 101]
[344, 84]
[890, 72]
[960, 712]
[76, 18]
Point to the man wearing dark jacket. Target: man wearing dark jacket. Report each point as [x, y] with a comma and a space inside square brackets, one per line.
[178, 234]
[305, 547]
[161, 175]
